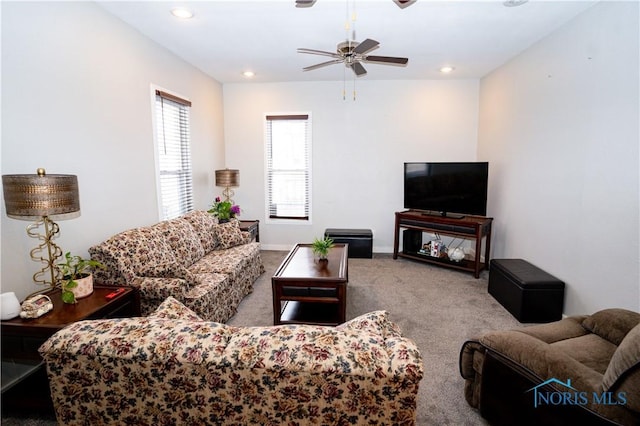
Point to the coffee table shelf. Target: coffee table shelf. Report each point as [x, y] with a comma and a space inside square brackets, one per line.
[308, 291]
[295, 312]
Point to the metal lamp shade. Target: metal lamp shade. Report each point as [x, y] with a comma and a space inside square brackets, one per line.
[31, 196]
[228, 178]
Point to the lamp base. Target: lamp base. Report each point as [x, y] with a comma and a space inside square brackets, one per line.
[228, 193]
[53, 252]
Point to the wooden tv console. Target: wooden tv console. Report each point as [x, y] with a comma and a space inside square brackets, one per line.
[468, 227]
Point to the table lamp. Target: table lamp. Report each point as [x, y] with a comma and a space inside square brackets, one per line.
[228, 178]
[38, 198]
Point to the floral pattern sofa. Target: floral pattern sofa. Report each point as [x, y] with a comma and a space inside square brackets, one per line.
[209, 267]
[171, 368]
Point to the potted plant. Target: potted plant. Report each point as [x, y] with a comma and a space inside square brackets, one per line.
[321, 247]
[224, 210]
[77, 280]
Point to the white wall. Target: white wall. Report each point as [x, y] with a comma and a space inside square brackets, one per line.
[559, 125]
[76, 100]
[359, 147]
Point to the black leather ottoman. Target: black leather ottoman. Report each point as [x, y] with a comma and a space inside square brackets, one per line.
[360, 240]
[528, 292]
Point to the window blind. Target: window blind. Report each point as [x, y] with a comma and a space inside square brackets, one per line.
[288, 152]
[174, 156]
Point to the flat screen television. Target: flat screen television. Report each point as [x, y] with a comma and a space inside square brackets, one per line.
[446, 189]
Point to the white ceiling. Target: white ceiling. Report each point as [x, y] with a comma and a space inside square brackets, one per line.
[226, 37]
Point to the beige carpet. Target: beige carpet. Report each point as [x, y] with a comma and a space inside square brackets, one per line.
[437, 307]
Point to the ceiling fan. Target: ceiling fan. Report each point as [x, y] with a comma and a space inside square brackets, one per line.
[352, 54]
[401, 3]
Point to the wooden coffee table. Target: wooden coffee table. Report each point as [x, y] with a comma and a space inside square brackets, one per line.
[309, 291]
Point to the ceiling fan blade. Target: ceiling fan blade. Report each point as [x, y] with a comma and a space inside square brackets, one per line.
[305, 3]
[366, 46]
[386, 60]
[357, 68]
[404, 3]
[320, 65]
[318, 52]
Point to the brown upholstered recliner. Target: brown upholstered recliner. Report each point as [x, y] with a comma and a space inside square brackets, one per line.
[580, 370]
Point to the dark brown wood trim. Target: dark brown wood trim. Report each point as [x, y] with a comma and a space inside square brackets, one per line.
[173, 98]
[288, 117]
[273, 216]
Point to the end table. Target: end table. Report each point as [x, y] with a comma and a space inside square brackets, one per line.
[252, 227]
[21, 339]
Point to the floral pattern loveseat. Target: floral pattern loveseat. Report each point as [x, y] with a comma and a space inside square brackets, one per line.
[171, 368]
[209, 267]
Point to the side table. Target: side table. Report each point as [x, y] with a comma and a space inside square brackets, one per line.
[252, 227]
[21, 339]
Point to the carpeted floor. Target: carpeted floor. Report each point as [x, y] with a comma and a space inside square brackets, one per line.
[437, 307]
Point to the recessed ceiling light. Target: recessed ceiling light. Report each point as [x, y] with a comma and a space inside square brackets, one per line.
[513, 3]
[447, 69]
[248, 74]
[181, 12]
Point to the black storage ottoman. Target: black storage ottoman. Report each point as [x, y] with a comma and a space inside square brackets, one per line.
[528, 292]
[360, 240]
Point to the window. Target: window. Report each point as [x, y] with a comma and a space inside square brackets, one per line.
[288, 151]
[174, 158]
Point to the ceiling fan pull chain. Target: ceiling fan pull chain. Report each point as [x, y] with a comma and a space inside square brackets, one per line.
[344, 84]
[354, 87]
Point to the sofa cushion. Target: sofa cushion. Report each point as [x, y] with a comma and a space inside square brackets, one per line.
[127, 253]
[173, 309]
[228, 235]
[115, 254]
[543, 360]
[202, 223]
[168, 270]
[183, 240]
[148, 247]
[624, 360]
[590, 350]
[612, 324]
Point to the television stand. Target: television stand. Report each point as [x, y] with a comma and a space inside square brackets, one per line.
[415, 223]
[442, 214]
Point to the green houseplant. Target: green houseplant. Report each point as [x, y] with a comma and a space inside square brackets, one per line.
[321, 247]
[77, 280]
[224, 210]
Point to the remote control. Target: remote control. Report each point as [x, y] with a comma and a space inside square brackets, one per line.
[114, 293]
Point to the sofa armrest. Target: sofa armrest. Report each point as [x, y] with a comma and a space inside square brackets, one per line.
[246, 237]
[405, 360]
[470, 363]
[566, 328]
